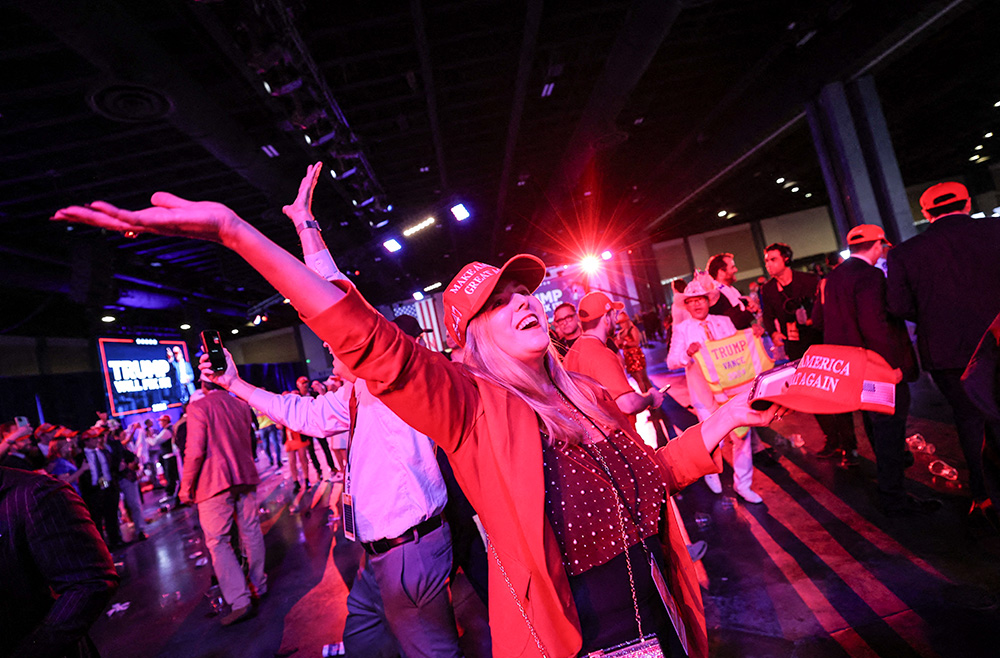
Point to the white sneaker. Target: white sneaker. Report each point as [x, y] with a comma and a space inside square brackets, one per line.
[750, 496]
[713, 482]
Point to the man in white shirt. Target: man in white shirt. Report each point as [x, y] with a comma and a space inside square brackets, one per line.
[398, 497]
[687, 340]
[395, 487]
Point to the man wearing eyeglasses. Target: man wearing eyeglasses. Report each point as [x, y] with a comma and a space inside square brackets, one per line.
[566, 326]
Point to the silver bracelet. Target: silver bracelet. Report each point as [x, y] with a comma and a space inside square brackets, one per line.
[309, 223]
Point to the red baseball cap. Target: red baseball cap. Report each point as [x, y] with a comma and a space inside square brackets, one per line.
[866, 233]
[469, 290]
[942, 194]
[833, 379]
[595, 304]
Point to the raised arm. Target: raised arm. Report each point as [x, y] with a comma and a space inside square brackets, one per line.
[314, 249]
[207, 220]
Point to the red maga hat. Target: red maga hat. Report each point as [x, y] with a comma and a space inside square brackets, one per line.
[468, 291]
[942, 194]
[866, 233]
[830, 379]
[595, 304]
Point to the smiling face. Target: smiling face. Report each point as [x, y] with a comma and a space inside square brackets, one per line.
[697, 307]
[727, 274]
[516, 322]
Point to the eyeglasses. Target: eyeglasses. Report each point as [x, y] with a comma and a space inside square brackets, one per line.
[563, 319]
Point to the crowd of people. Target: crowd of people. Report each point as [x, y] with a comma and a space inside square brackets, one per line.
[495, 456]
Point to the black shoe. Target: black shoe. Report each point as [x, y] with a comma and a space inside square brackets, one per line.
[764, 458]
[829, 452]
[913, 506]
[851, 459]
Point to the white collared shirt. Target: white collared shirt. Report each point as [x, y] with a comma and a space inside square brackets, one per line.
[713, 327]
[98, 465]
[733, 295]
[393, 474]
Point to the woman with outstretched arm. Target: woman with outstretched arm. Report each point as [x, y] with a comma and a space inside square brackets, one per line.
[582, 557]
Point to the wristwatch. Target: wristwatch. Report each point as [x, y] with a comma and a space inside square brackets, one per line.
[309, 223]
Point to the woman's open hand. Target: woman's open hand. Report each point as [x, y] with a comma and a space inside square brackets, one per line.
[169, 215]
[300, 210]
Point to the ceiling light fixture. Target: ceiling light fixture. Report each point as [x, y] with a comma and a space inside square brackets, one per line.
[547, 89]
[987, 135]
[433, 286]
[780, 181]
[973, 158]
[392, 245]
[269, 150]
[978, 148]
[235, 331]
[590, 264]
[606, 255]
[108, 318]
[795, 189]
[419, 296]
[418, 227]
[722, 213]
[384, 222]
[185, 326]
[460, 212]
[808, 194]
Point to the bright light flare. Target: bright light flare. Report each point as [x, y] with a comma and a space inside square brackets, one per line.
[606, 255]
[590, 264]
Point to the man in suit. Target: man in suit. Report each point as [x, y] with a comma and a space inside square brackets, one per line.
[56, 574]
[722, 268]
[853, 312]
[99, 486]
[221, 478]
[947, 280]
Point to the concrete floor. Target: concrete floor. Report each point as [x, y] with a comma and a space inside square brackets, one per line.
[814, 571]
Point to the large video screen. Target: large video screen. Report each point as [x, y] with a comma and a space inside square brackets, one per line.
[145, 374]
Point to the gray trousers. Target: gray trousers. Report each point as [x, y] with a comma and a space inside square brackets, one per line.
[400, 604]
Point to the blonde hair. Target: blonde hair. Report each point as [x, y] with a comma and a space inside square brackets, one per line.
[486, 360]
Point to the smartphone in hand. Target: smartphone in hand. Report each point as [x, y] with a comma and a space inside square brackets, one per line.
[211, 342]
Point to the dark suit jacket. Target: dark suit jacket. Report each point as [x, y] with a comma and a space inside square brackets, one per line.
[47, 540]
[947, 280]
[853, 312]
[741, 319]
[219, 451]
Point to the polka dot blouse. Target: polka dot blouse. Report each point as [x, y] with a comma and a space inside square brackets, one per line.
[580, 502]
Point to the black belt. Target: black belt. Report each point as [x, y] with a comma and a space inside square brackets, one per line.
[416, 532]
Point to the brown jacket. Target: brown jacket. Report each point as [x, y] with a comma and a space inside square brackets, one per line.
[494, 446]
[219, 451]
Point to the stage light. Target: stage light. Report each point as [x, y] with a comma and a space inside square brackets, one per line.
[366, 202]
[424, 170]
[780, 181]
[795, 189]
[606, 255]
[185, 326]
[392, 245]
[845, 254]
[433, 286]
[269, 150]
[418, 296]
[286, 301]
[333, 173]
[350, 172]
[997, 104]
[256, 320]
[309, 140]
[808, 194]
[987, 135]
[419, 227]
[547, 89]
[388, 208]
[973, 158]
[235, 331]
[384, 222]
[590, 264]
[460, 212]
[978, 148]
[267, 87]
[722, 213]
[108, 318]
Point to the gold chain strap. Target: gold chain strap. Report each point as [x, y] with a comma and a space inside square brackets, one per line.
[510, 587]
[621, 516]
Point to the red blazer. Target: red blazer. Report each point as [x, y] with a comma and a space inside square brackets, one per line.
[493, 443]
